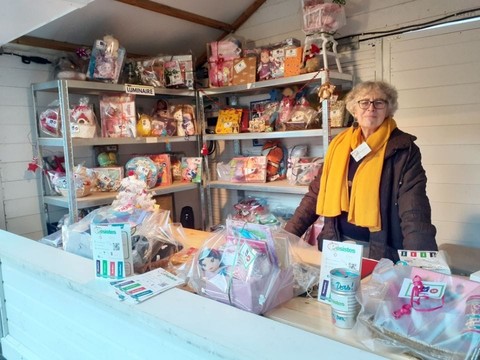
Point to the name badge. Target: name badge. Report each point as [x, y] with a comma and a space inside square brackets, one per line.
[360, 151]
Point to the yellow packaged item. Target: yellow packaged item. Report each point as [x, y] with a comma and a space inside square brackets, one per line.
[228, 121]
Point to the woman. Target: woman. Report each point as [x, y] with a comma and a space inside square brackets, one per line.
[372, 187]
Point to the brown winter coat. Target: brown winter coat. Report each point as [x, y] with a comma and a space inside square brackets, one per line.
[404, 205]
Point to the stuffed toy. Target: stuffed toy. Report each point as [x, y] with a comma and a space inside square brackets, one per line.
[276, 160]
[325, 91]
[144, 125]
[312, 60]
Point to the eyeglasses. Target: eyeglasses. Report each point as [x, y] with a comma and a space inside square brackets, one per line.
[377, 104]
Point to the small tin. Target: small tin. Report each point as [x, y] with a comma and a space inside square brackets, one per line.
[472, 314]
[344, 280]
[344, 320]
[344, 302]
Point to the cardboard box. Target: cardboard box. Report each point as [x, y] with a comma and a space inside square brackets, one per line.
[293, 61]
[244, 70]
[166, 203]
[228, 121]
[249, 169]
[162, 161]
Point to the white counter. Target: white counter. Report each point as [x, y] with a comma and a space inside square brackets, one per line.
[54, 310]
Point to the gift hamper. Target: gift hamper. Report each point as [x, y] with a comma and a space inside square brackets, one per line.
[250, 266]
[425, 314]
[154, 239]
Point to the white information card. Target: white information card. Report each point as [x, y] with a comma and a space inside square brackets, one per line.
[112, 250]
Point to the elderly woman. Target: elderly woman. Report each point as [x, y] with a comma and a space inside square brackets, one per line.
[372, 188]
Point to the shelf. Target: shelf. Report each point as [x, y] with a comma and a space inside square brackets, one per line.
[272, 135]
[335, 77]
[106, 198]
[116, 141]
[280, 186]
[93, 87]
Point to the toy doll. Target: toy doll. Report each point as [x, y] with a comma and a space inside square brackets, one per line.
[177, 114]
[162, 122]
[264, 70]
[158, 128]
[187, 127]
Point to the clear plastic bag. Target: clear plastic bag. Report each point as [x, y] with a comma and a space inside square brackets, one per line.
[154, 238]
[423, 326]
[251, 267]
[322, 17]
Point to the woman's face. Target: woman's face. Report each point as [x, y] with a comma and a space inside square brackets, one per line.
[370, 118]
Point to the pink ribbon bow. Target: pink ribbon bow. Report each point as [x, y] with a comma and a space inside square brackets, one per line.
[415, 298]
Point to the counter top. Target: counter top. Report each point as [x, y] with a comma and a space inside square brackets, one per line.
[177, 321]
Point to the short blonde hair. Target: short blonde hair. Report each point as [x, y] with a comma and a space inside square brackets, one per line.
[386, 89]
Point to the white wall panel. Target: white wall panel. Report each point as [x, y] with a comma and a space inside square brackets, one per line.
[464, 234]
[448, 135]
[439, 115]
[21, 212]
[456, 213]
[24, 224]
[380, 15]
[454, 173]
[274, 21]
[437, 73]
[451, 154]
[21, 207]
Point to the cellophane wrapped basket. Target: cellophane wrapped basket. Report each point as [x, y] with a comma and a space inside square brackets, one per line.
[154, 237]
[320, 16]
[251, 266]
[439, 322]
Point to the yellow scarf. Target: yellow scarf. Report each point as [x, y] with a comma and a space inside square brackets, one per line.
[363, 205]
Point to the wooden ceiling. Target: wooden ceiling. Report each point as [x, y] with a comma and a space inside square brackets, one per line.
[146, 27]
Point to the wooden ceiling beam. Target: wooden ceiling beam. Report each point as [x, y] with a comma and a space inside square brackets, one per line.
[180, 14]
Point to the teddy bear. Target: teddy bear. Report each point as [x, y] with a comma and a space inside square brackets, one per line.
[312, 60]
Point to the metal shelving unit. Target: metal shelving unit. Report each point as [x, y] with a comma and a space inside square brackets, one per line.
[262, 87]
[64, 89]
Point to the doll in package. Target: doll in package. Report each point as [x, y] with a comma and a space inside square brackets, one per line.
[106, 61]
[249, 266]
[117, 113]
[184, 117]
[163, 123]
